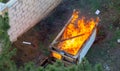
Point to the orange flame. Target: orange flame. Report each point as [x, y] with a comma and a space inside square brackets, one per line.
[76, 27]
[56, 55]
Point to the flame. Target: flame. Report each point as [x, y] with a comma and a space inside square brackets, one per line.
[76, 27]
[56, 55]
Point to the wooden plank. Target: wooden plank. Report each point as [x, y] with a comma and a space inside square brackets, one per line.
[54, 41]
[60, 34]
[70, 38]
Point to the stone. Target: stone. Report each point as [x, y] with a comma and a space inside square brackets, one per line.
[107, 68]
[118, 40]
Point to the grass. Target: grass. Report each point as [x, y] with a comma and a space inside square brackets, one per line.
[4, 1]
[4, 26]
[116, 5]
[98, 52]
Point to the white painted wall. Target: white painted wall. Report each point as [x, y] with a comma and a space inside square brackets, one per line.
[87, 46]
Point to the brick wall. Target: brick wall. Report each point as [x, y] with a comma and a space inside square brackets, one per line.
[24, 14]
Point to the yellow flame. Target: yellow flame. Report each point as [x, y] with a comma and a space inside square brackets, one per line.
[56, 55]
[76, 27]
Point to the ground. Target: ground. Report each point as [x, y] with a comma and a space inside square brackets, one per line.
[105, 50]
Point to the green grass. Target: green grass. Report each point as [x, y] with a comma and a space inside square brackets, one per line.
[4, 26]
[113, 40]
[4, 1]
[83, 4]
[116, 5]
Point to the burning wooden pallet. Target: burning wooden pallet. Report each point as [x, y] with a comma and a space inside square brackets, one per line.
[75, 39]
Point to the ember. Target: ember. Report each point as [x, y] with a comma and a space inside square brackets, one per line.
[76, 33]
[56, 55]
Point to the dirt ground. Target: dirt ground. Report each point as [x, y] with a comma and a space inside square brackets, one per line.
[105, 50]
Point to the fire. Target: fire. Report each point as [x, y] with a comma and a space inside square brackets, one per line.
[76, 33]
[56, 55]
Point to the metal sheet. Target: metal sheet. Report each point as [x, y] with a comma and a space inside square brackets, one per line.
[87, 46]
